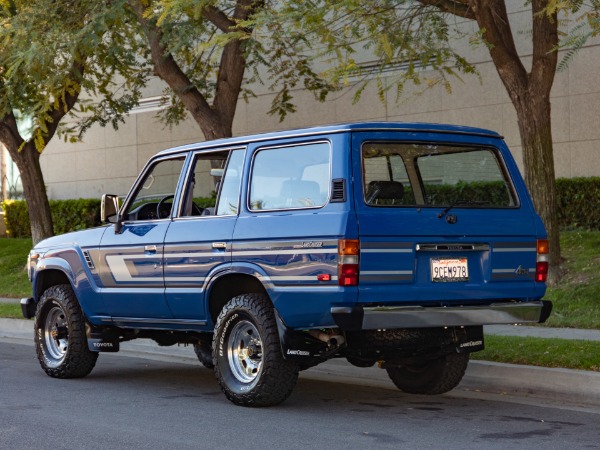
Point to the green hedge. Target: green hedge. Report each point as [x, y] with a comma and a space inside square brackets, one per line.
[578, 207]
[491, 193]
[579, 203]
[67, 215]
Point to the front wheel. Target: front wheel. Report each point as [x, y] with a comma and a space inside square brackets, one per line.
[432, 377]
[247, 355]
[60, 339]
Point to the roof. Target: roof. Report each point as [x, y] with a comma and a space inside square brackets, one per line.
[338, 128]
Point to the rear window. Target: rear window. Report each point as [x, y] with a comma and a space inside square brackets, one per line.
[403, 174]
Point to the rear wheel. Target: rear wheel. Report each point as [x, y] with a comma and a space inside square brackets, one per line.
[247, 355]
[60, 338]
[432, 377]
[203, 351]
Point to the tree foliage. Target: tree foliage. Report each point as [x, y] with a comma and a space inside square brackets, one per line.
[53, 51]
[356, 42]
[585, 16]
[55, 55]
[211, 52]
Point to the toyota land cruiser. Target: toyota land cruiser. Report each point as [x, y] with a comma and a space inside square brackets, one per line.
[382, 243]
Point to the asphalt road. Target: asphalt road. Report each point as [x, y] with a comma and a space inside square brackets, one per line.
[129, 402]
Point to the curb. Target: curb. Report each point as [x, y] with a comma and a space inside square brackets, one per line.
[577, 388]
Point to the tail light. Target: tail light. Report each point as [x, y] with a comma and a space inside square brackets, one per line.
[541, 267]
[348, 252]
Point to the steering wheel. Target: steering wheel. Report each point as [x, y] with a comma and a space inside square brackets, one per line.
[159, 213]
[196, 210]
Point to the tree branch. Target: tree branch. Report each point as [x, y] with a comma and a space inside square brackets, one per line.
[459, 8]
[492, 18]
[545, 40]
[169, 71]
[218, 18]
[232, 65]
[76, 72]
[9, 132]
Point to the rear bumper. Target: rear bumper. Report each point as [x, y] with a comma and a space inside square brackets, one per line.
[379, 317]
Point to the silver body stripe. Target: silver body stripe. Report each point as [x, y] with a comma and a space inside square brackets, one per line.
[303, 251]
[298, 278]
[316, 288]
[118, 267]
[198, 279]
[509, 270]
[386, 250]
[120, 271]
[194, 255]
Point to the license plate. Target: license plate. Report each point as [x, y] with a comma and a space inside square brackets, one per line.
[444, 270]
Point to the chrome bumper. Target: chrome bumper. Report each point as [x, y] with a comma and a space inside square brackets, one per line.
[379, 317]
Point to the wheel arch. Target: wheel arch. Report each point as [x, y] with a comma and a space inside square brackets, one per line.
[49, 277]
[231, 285]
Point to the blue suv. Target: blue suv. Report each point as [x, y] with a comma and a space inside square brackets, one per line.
[387, 243]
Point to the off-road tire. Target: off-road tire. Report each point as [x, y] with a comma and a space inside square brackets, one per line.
[358, 362]
[432, 377]
[60, 338]
[247, 355]
[203, 351]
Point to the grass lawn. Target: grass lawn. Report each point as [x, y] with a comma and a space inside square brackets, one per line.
[13, 276]
[532, 351]
[10, 311]
[577, 299]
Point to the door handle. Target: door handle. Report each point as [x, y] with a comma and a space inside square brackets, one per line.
[219, 245]
[150, 248]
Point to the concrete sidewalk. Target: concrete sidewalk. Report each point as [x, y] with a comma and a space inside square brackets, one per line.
[569, 388]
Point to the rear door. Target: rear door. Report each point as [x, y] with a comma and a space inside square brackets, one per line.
[440, 220]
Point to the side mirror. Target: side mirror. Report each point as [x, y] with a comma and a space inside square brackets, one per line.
[109, 210]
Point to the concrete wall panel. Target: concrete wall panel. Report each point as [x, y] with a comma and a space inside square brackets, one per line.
[585, 158]
[585, 116]
[60, 167]
[122, 161]
[562, 160]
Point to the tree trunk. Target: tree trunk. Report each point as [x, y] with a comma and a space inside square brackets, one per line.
[530, 95]
[535, 128]
[28, 163]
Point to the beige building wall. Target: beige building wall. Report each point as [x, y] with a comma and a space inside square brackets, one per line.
[108, 161]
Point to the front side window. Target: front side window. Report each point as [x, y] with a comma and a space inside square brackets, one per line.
[402, 174]
[154, 196]
[292, 177]
[214, 184]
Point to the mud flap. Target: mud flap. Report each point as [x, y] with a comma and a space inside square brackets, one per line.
[470, 339]
[298, 346]
[100, 340]
[28, 307]
[546, 310]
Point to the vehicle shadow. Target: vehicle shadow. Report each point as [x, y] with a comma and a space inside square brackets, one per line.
[171, 380]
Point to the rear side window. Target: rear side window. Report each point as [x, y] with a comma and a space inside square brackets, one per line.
[401, 174]
[291, 177]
